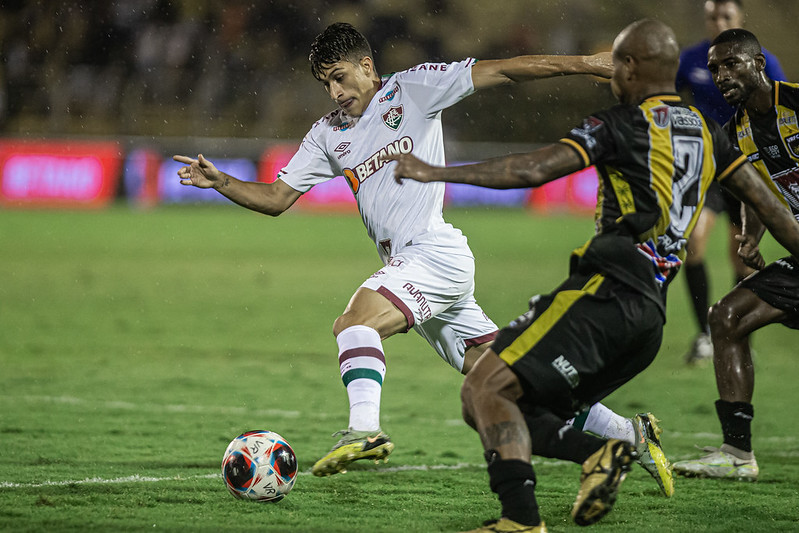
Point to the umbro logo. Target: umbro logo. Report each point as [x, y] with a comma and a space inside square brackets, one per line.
[342, 149]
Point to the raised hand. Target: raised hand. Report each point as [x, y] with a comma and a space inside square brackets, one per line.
[199, 172]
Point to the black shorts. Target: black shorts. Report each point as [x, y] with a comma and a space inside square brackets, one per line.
[719, 200]
[778, 286]
[581, 342]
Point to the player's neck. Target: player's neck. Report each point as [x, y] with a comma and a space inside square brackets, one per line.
[762, 98]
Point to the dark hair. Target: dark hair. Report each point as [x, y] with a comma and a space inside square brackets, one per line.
[339, 41]
[738, 3]
[749, 43]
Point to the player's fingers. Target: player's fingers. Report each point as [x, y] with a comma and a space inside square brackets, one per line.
[390, 157]
[183, 159]
[740, 238]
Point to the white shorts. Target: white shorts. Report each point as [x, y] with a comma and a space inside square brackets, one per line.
[435, 292]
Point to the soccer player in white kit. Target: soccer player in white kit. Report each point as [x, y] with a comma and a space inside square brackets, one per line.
[427, 283]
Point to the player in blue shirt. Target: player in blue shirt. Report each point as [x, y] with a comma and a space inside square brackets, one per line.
[694, 78]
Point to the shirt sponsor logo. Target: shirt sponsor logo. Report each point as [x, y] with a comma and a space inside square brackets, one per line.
[389, 96]
[360, 173]
[393, 117]
[344, 127]
[773, 151]
[787, 183]
[744, 132]
[686, 120]
[435, 66]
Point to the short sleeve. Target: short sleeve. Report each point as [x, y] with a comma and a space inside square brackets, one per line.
[309, 166]
[593, 139]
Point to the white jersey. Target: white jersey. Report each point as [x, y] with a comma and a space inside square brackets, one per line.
[403, 117]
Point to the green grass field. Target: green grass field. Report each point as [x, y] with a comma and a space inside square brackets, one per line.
[134, 345]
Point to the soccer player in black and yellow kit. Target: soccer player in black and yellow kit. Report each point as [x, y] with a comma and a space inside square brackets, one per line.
[656, 158]
[766, 129]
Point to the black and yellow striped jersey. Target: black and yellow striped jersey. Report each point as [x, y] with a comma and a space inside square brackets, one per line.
[655, 162]
[771, 142]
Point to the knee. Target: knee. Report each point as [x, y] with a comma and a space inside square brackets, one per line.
[723, 319]
[340, 324]
[469, 391]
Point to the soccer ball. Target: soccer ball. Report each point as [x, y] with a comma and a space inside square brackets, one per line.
[259, 465]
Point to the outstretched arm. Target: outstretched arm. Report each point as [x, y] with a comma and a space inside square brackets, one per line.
[267, 198]
[494, 72]
[748, 186]
[516, 171]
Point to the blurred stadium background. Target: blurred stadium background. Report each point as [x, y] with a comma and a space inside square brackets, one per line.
[231, 79]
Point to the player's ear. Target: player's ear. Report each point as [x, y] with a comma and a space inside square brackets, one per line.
[760, 62]
[367, 64]
[629, 66]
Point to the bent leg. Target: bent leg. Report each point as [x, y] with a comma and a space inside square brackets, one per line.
[371, 309]
[473, 354]
[489, 398]
[368, 319]
[732, 319]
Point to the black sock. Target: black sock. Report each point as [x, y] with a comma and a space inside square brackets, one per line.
[736, 423]
[514, 483]
[551, 437]
[696, 277]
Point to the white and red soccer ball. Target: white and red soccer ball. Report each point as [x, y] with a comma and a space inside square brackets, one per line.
[259, 465]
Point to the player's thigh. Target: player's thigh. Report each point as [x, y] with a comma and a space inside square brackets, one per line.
[421, 283]
[372, 309]
[768, 296]
[578, 345]
[458, 330]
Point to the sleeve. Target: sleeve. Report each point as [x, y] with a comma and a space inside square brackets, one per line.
[593, 139]
[773, 67]
[434, 87]
[725, 149]
[309, 166]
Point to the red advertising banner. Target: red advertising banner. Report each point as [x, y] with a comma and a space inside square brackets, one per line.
[58, 173]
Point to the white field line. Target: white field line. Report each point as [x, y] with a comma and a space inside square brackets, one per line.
[149, 479]
[156, 407]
